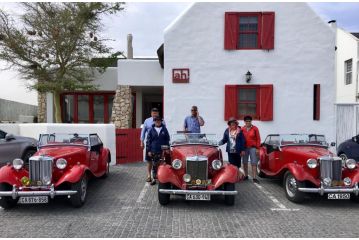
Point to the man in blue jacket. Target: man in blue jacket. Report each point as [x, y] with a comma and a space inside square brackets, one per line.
[157, 136]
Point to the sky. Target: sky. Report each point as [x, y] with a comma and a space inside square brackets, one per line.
[146, 22]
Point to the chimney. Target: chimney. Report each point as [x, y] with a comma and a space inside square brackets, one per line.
[333, 23]
[129, 47]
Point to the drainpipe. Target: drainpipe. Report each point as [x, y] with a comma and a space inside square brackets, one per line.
[129, 47]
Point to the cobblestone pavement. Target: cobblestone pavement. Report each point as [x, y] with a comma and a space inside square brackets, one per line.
[124, 206]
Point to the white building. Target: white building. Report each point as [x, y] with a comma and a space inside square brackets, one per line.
[347, 58]
[288, 49]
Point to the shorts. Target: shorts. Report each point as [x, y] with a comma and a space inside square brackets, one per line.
[235, 159]
[250, 153]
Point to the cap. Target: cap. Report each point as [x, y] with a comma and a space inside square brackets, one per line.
[154, 110]
[232, 119]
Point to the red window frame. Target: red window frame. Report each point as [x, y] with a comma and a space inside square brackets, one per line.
[257, 101]
[258, 32]
[91, 95]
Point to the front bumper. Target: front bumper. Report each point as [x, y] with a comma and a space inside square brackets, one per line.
[210, 192]
[16, 192]
[323, 190]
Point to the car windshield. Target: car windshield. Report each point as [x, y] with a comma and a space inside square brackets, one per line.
[301, 139]
[55, 139]
[194, 138]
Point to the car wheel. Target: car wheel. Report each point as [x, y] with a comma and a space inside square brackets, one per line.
[291, 186]
[259, 172]
[163, 198]
[229, 199]
[28, 153]
[78, 199]
[7, 202]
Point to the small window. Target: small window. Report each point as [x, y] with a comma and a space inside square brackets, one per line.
[348, 71]
[316, 102]
[248, 32]
[248, 101]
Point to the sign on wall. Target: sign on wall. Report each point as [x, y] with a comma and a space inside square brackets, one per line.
[180, 75]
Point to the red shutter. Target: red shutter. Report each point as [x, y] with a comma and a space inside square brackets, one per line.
[230, 102]
[230, 31]
[268, 30]
[266, 102]
[316, 104]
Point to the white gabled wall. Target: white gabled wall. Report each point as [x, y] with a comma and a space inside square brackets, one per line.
[348, 48]
[303, 55]
[140, 72]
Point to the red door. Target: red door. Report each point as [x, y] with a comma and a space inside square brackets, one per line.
[128, 149]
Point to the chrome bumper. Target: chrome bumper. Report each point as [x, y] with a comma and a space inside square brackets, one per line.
[323, 190]
[15, 193]
[210, 192]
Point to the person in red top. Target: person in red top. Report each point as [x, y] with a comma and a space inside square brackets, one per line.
[253, 143]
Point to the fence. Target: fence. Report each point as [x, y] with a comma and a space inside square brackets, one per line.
[128, 146]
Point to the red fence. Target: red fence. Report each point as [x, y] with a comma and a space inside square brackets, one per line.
[128, 148]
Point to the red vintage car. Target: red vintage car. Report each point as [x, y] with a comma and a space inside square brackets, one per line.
[307, 166]
[195, 168]
[62, 165]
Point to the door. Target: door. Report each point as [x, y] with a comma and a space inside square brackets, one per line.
[95, 153]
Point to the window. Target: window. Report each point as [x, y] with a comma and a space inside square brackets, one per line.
[87, 107]
[244, 30]
[348, 65]
[316, 102]
[253, 100]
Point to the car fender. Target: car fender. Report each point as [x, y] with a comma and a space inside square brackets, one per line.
[301, 174]
[228, 174]
[72, 175]
[105, 153]
[11, 176]
[166, 174]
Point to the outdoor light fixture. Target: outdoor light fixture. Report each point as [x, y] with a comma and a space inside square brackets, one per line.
[248, 76]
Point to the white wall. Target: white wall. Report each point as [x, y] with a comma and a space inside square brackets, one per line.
[106, 81]
[140, 72]
[303, 55]
[348, 47]
[105, 131]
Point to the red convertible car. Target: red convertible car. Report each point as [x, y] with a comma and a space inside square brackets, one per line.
[195, 168]
[61, 166]
[307, 166]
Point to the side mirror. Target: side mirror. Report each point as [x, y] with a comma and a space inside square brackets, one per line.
[332, 144]
[9, 137]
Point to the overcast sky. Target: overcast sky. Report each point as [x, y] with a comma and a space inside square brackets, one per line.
[146, 21]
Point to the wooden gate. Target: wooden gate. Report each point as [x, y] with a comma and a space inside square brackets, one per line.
[128, 148]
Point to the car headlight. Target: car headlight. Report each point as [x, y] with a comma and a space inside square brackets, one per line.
[17, 163]
[350, 163]
[327, 182]
[347, 181]
[177, 164]
[216, 164]
[186, 178]
[312, 163]
[61, 163]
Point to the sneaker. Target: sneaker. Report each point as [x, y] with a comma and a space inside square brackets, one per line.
[245, 178]
[148, 179]
[255, 180]
[153, 182]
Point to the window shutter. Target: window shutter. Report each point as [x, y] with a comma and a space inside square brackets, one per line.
[268, 30]
[230, 31]
[230, 102]
[316, 102]
[266, 102]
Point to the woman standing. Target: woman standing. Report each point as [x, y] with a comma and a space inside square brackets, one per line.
[234, 138]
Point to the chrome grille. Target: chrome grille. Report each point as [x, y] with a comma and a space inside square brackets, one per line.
[197, 167]
[40, 170]
[331, 167]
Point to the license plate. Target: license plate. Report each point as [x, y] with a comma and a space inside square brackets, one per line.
[199, 197]
[338, 195]
[33, 200]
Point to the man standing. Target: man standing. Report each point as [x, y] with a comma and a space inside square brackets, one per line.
[147, 125]
[194, 122]
[253, 143]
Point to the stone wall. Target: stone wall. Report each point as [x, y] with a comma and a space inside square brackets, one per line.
[122, 107]
[41, 110]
